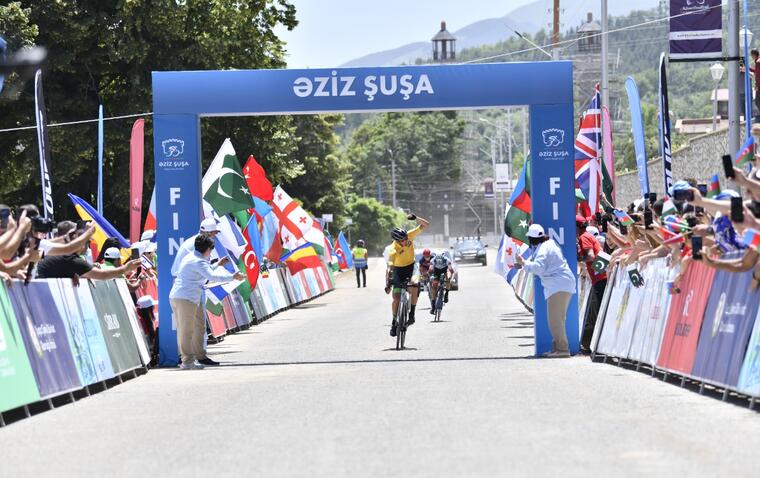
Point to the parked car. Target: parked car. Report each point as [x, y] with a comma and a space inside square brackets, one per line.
[470, 250]
[454, 277]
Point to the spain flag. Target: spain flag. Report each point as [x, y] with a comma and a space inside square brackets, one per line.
[300, 258]
[105, 229]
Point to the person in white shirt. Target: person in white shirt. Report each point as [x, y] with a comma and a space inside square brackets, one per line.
[548, 264]
[208, 228]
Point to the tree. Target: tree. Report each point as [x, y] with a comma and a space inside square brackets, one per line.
[426, 149]
[104, 53]
[373, 222]
[324, 184]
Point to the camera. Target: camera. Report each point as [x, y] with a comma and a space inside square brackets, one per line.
[82, 225]
[42, 225]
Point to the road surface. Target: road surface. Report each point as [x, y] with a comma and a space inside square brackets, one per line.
[319, 391]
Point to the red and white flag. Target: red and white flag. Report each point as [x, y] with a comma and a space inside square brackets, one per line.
[294, 221]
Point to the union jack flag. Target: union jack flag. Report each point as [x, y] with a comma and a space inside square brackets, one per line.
[588, 143]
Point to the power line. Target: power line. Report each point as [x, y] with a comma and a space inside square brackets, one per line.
[568, 42]
[51, 125]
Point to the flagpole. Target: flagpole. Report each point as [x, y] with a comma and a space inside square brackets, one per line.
[100, 159]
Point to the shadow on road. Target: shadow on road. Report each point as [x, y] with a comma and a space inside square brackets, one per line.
[343, 362]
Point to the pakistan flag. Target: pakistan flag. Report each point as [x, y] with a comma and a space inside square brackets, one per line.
[224, 186]
[517, 217]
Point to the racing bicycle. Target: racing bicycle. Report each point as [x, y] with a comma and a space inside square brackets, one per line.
[438, 304]
[402, 314]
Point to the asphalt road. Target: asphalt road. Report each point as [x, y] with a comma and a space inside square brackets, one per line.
[319, 391]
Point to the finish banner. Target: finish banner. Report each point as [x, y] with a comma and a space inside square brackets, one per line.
[16, 376]
[729, 318]
[679, 343]
[45, 340]
[696, 29]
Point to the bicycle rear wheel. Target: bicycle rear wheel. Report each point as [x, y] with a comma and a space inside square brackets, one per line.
[400, 323]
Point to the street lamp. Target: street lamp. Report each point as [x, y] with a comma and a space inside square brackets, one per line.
[716, 71]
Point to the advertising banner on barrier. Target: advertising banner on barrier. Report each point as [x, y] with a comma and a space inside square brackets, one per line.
[16, 376]
[615, 314]
[729, 318]
[611, 281]
[216, 321]
[45, 340]
[258, 303]
[749, 378]
[229, 314]
[239, 310]
[68, 310]
[137, 331]
[679, 342]
[95, 337]
[653, 312]
[115, 325]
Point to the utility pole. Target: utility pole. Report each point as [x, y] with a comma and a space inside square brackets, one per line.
[393, 177]
[493, 163]
[734, 108]
[555, 31]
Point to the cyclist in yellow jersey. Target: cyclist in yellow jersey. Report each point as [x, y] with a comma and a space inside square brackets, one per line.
[401, 267]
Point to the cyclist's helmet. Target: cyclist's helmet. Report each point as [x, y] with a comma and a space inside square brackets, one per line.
[426, 253]
[360, 243]
[398, 234]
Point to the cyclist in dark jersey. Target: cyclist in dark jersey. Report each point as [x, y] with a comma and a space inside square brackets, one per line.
[440, 269]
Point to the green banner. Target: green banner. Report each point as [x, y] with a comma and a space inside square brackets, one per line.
[17, 385]
[115, 325]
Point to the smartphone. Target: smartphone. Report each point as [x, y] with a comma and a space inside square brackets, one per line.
[623, 229]
[683, 195]
[737, 210]
[82, 225]
[135, 254]
[702, 189]
[728, 166]
[647, 218]
[652, 198]
[5, 214]
[696, 247]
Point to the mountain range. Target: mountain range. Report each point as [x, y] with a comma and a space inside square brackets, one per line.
[526, 19]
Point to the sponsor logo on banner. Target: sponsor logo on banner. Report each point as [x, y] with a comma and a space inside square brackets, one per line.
[718, 314]
[173, 149]
[553, 139]
[370, 86]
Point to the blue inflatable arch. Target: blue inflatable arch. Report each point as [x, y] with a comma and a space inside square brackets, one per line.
[181, 98]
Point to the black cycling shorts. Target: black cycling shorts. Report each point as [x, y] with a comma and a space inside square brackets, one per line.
[402, 275]
[439, 274]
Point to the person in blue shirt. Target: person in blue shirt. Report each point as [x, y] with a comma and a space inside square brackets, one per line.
[186, 299]
[548, 264]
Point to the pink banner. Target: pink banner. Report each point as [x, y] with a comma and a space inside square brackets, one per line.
[609, 154]
[136, 158]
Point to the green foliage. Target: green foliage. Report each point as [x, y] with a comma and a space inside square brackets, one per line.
[326, 177]
[104, 53]
[373, 222]
[425, 146]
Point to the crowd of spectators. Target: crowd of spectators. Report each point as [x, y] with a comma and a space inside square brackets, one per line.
[34, 247]
[683, 226]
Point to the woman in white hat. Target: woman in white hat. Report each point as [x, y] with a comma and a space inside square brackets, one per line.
[548, 264]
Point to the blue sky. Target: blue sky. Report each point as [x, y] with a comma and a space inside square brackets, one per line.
[332, 32]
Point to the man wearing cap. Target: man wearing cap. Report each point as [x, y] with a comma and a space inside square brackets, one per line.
[208, 228]
[548, 264]
[588, 248]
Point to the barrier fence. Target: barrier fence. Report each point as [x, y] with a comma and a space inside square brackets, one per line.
[57, 338]
[708, 333]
